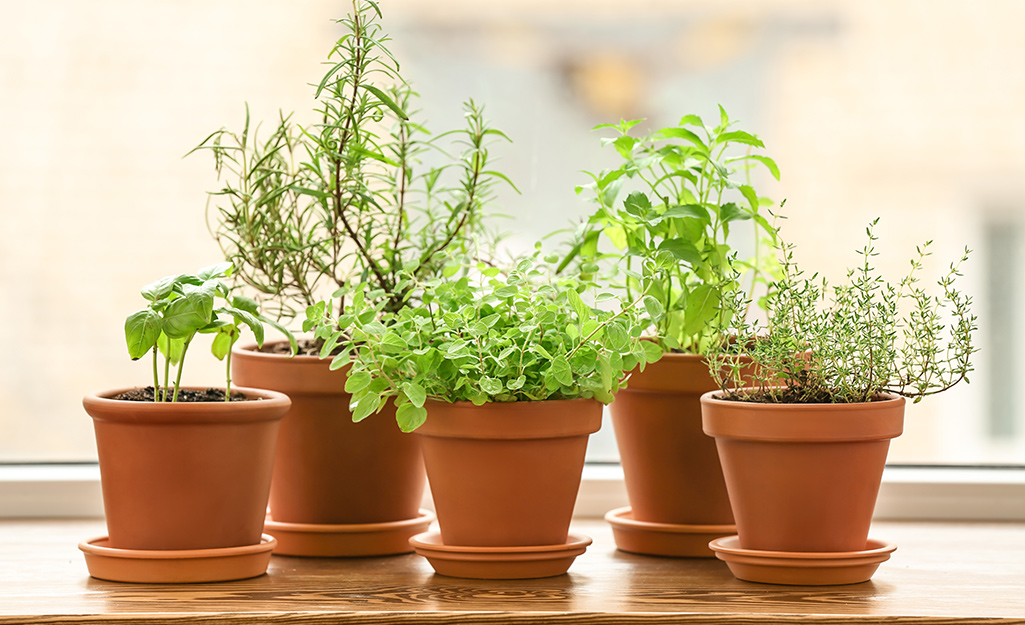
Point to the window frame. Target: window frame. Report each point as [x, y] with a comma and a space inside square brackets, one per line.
[920, 492]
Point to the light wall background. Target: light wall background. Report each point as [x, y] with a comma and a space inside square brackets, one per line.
[909, 111]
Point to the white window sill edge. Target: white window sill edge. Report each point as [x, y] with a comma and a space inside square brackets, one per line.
[911, 493]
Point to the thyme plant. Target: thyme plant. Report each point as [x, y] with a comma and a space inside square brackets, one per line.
[669, 209]
[351, 198]
[854, 341]
[487, 336]
[182, 306]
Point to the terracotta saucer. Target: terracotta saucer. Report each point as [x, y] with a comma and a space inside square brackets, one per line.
[797, 568]
[498, 562]
[174, 566]
[349, 540]
[663, 539]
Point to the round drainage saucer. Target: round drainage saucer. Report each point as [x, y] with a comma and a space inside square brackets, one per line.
[176, 566]
[797, 568]
[663, 539]
[346, 540]
[499, 562]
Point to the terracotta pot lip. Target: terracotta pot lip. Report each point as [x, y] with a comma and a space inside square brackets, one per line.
[250, 350]
[890, 400]
[267, 396]
[272, 407]
[90, 546]
[535, 402]
[555, 418]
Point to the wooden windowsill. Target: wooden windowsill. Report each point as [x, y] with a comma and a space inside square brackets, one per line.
[941, 573]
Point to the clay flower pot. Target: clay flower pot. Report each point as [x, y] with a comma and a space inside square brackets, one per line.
[506, 474]
[330, 474]
[671, 468]
[803, 477]
[185, 476]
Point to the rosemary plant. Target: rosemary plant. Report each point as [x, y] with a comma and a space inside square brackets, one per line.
[349, 199]
[852, 342]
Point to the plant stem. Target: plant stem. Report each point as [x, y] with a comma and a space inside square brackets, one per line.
[156, 377]
[167, 376]
[227, 373]
[181, 367]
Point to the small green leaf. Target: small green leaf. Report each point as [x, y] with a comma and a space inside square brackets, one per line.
[730, 212]
[606, 372]
[739, 136]
[410, 417]
[682, 133]
[142, 329]
[491, 386]
[186, 315]
[245, 303]
[222, 343]
[637, 204]
[159, 289]
[702, 307]
[682, 249]
[697, 211]
[220, 270]
[356, 381]
[562, 371]
[387, 101]
[652, 352]
[619, 338]
[582, 310]
[366, 406]
[415, 393]
[654, 307]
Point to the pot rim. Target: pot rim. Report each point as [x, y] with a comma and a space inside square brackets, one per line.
[271, 406]
[710, 397]
[513, 420]
[250, 350]
[802, 423]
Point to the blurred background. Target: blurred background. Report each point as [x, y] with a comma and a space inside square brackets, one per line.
[911, 111]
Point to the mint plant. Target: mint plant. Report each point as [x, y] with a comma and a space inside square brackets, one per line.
[182, 306]
[668, 209]
[356, 196]
[852, 342]
[486, 336]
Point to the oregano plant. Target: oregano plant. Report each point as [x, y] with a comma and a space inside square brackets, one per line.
[355, 196]
[180, 307]
[853, 341]
[483, 335]
[668, 211]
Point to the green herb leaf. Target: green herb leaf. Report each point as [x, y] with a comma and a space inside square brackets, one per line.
[410, 417]
[142, 329]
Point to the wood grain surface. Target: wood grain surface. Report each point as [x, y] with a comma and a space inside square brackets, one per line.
[941, 573]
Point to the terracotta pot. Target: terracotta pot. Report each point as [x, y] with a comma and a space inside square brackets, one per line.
[506, 474]
[329, 470]
[185, 475]
[803, 477]
[671, 468]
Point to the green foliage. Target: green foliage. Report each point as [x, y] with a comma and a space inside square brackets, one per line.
[181, 306]
[668, 209]
[851, 342]
[350, 199]
[485, 336]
